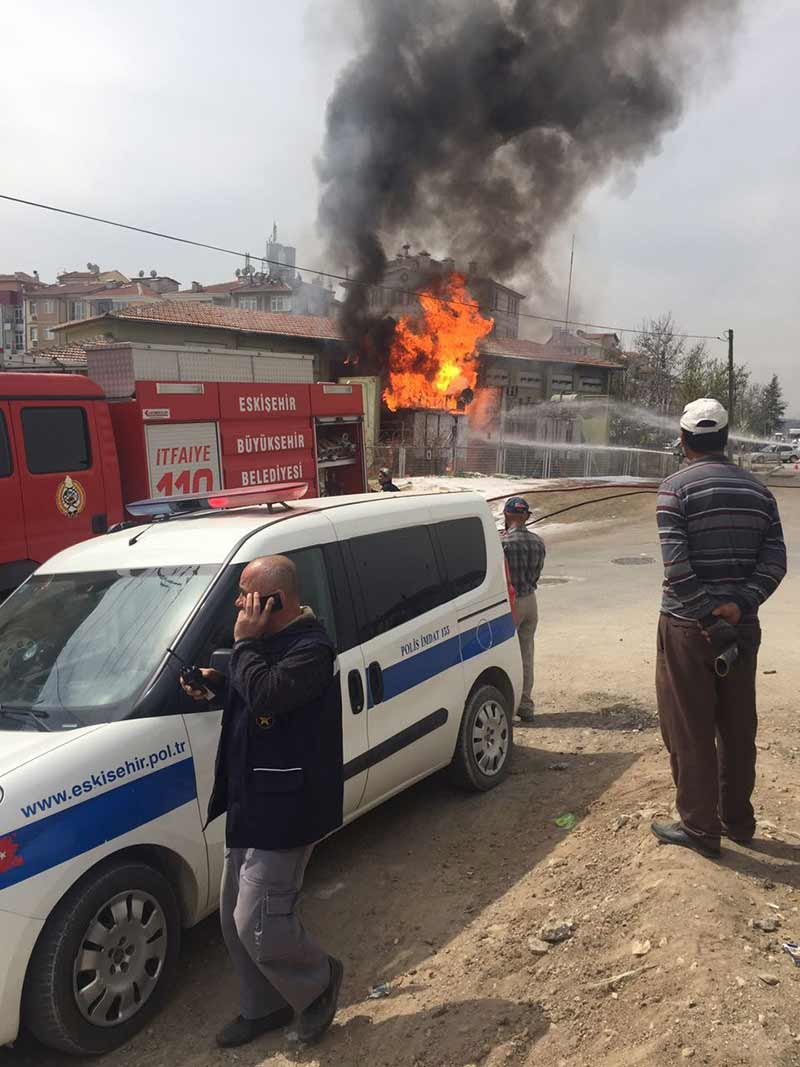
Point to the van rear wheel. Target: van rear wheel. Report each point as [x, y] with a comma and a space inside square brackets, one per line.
[485, 741]
[104, 960]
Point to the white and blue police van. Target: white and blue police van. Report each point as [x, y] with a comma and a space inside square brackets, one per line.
[106, 764]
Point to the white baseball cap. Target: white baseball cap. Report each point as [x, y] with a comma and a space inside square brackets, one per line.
[704, 416]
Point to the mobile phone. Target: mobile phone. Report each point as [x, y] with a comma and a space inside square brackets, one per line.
[277, 601]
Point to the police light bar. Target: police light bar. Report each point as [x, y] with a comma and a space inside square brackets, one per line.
[166, 506]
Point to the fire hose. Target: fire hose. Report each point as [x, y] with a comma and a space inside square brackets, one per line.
[719, 631]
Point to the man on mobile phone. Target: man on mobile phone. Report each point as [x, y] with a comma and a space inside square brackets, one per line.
[279, 777]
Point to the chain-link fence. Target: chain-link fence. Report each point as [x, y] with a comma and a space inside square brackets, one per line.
[528, 461]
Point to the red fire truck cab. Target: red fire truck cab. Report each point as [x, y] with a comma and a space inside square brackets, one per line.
[71, 456]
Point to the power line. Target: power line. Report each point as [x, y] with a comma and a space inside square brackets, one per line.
[340, 277]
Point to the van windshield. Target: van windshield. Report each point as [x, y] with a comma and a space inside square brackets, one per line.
[80, 648]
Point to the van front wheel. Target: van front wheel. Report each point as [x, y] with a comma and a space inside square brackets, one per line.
[104, 959]
[483, 751]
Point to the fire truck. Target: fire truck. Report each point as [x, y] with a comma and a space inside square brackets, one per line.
[74, 449]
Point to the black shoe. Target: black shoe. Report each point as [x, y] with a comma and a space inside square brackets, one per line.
[740, 839]
[241, 1031]
[672, 833]
[526, 715]
[316, 1019]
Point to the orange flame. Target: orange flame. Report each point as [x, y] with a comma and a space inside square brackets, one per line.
[433, 357]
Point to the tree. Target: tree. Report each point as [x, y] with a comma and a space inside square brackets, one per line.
[658, 354]
[693, 376]
[773, 406]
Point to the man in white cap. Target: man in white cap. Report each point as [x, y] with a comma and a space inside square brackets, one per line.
[723, 551]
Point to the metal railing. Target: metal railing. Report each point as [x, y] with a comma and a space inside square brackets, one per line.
[530, 461]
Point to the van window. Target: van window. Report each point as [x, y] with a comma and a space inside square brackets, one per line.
[56, 440]
[315, 593]
[398, 576]
[464, 550]
[5, 449]
[315, 590]
[86, 643]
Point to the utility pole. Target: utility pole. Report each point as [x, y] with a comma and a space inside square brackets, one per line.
[731, 391]
[569, 287]
[731, 379]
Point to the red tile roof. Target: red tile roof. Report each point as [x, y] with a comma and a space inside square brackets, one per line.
[134, 289]
[209, 316]
[72, 354]
[237, 285]
[76, 289]
[518, 348]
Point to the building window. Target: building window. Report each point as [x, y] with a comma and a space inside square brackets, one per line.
[280, 303]
[34, 334]
[77, 309]
[56, 439]
[562, 384]
[249, 303]
[18, 315]
[19, 340]
[48, 335]
[502, 301]
[48, 307]
[592, 385]
[32, 309]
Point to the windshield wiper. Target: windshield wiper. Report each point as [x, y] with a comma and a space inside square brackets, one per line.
[9, 711]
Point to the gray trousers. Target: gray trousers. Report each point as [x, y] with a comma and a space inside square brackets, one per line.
[527, 613]
[276, 962]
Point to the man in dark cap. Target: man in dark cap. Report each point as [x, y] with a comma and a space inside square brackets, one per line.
[525, 553]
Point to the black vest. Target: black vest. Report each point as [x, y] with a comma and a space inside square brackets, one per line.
[279, 775]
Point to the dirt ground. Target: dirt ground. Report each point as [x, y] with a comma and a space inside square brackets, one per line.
[439, 894]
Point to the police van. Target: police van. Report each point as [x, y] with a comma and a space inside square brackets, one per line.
[106, 764]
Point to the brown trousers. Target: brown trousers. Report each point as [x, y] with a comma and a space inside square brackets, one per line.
[709, 727]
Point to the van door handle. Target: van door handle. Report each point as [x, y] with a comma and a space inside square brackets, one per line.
[356, 688]
[375, 678]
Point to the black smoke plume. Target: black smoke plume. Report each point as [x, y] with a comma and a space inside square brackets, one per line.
[475, 126]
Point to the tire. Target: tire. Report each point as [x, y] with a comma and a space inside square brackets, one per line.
[143, 957]
[487, 718]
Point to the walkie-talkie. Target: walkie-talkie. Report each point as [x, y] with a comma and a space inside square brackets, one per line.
[192, 677]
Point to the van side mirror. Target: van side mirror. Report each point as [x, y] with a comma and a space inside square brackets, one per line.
[221, 660]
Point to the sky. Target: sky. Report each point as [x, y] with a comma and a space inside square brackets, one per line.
[204, 122]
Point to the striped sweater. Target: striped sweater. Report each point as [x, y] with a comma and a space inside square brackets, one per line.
[721, 539]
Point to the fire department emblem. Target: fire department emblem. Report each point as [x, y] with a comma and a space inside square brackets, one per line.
[70, 497]
[265, 721]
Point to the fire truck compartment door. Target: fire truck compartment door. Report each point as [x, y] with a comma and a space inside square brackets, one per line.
[61, 469]
[13, 546]
[183, 458]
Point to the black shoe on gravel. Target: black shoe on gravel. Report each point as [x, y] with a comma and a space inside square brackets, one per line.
[242, 1031]
[740, 839]
[672, 833]
[316, 1019]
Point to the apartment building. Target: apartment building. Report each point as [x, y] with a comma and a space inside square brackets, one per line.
[407, 274]
[12, 313]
